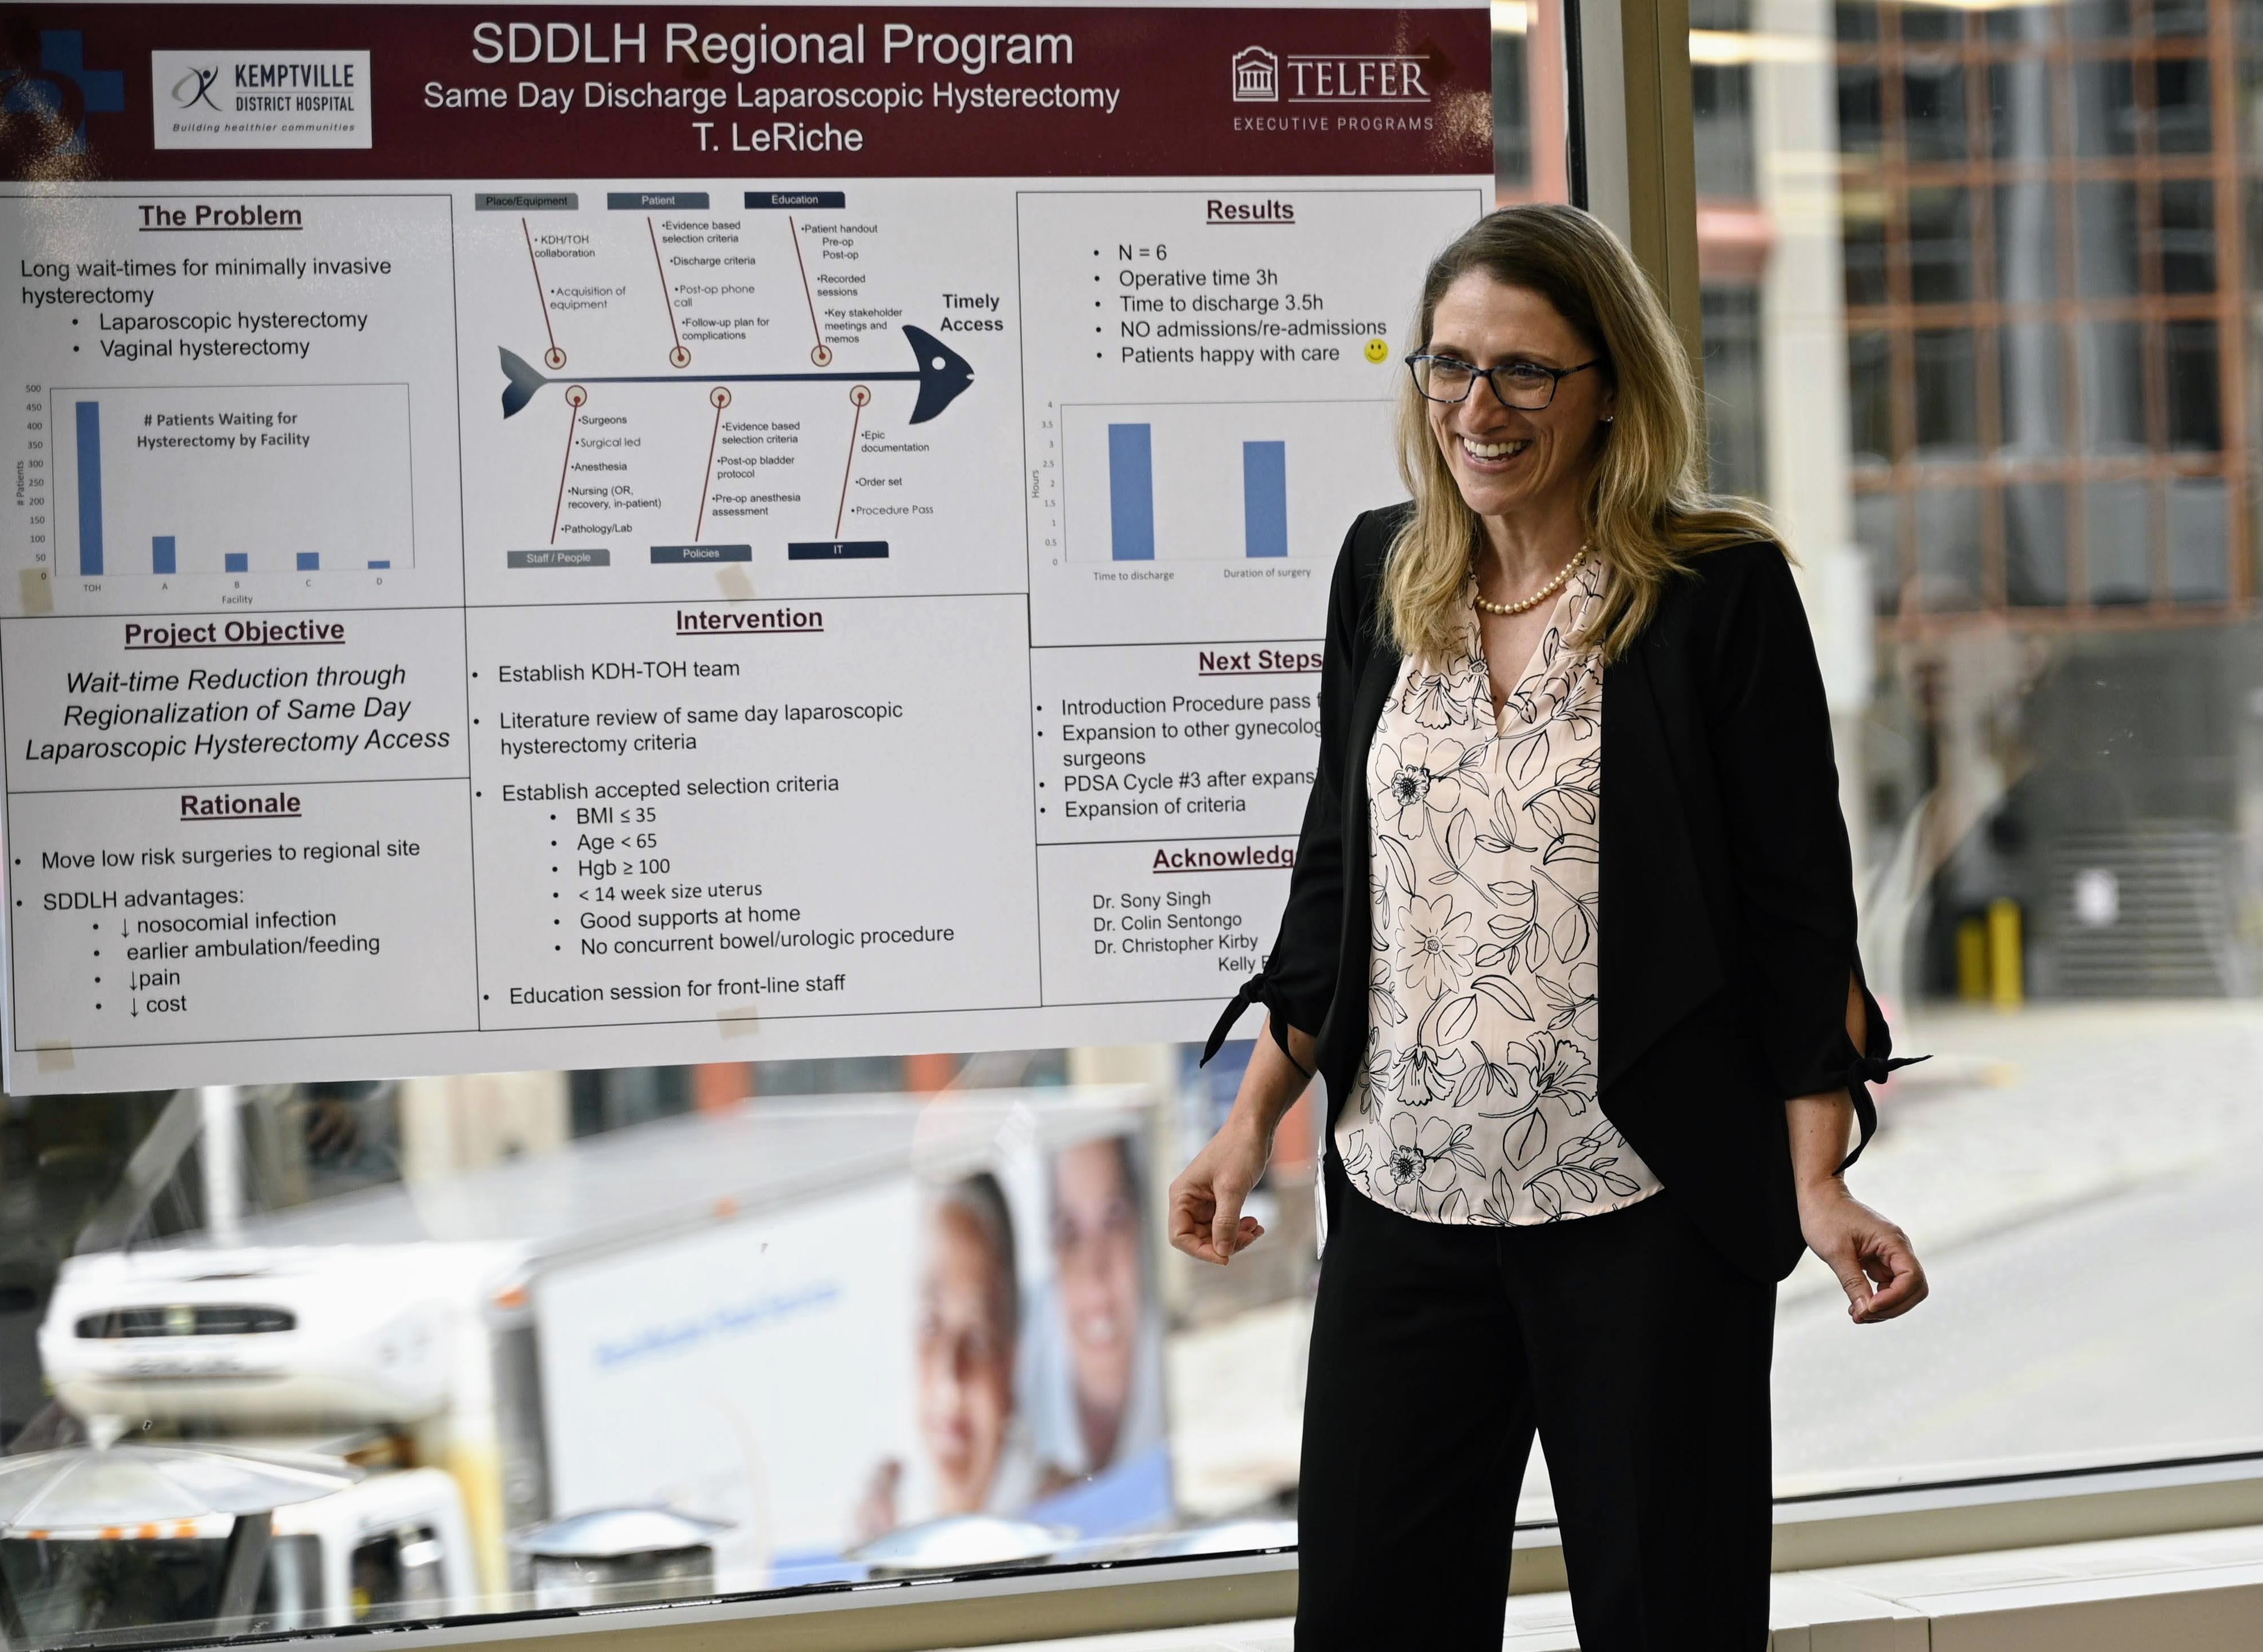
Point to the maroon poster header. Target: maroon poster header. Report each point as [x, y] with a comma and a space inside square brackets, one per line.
[257, 92]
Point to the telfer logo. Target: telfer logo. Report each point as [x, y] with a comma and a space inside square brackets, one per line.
[1357, 77]
[1256, 76]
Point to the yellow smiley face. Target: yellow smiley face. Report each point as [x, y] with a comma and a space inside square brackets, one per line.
[1377, 349]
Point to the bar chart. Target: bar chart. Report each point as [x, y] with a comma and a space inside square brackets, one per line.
[219, 480]
[1152, 483]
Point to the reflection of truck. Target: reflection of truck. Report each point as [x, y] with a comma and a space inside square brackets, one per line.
[712, 1313]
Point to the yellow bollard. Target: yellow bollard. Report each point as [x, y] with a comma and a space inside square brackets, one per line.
[1972, 961]
[2006, 965]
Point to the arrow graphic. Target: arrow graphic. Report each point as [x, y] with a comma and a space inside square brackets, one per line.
[942, 373]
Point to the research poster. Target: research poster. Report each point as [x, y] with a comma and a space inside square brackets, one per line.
[625, 534]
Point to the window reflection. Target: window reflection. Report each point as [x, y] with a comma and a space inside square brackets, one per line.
[2187, 237]
[2027, 243]
[2048, 491]
[2117, 538]
[2020, 121]
[2033, 388]
[1933, 106]
[1871, 403]
[2105, 106]
[1945, 390]
[2098, 19]
[2112, 362]
[2195, 404]
[1949, 549]
[1940, 252]
[2107, 244]
[2199, 523]
[2035, 545]
[1864, 244]
[2182, 117]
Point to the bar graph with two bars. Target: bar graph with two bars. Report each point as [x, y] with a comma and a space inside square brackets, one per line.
[1217, 481]
[234, 479]
[1131, 495]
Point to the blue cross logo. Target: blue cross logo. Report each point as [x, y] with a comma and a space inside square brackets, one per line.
[61, 90]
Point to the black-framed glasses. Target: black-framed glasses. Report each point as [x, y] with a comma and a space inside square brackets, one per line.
[1526, 385]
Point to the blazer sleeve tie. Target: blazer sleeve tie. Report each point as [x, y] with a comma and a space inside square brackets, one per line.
[1260, 988]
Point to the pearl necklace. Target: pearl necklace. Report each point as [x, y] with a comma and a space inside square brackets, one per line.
[1537, 597]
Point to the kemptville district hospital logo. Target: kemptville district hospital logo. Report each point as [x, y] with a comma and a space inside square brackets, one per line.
[1256, 76]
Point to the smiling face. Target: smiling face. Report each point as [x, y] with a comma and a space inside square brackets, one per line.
[1096, 1254]
[965, 1358]
[1509, 462]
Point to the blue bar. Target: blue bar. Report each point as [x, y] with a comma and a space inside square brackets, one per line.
[1265, 498]
[835, 550]
[160, 554]
[809, 199]
[236, 561]
[1132, 493]
[90, 487]
[382, 563]
[310, 561]
[703, 554]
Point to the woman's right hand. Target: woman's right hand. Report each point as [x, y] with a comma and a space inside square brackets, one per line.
[1207, 1219]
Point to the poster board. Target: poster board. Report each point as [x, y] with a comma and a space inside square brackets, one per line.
[641, 533]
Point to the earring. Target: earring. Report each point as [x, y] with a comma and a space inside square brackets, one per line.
[1607, 418]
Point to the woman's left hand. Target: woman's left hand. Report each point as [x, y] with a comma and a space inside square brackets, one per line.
[1876, 1265]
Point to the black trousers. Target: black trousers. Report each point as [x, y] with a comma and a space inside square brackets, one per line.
[1639, 1355]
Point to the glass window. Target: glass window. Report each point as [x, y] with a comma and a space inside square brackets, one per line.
[2019, 122]
[1877, 530]
[2098, 19]
[1863, 227]
[2111, 356]
[1946, 394]
[2181, 112]
[2068, 464]
[1512, 138]
[1930, 24]
[1720, 96]
[2187, 237]
[2195, 398]
[1870, 398]
[2252, 216]
[1855, 20]
[2105, 106]
[2031, 368]
[1947, 548]
[2035, 544]
[2030, 25]
[1861, 111]
[2027, 243]
[1933, 111]
[1941, 253]
[2106, 242]
[1733, 390]
[2200, 529]
[2118, 540]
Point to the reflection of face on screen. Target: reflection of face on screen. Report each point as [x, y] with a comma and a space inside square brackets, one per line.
[968, 1308]
[1097, 1260]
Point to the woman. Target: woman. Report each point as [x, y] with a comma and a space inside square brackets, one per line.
[1571, 939]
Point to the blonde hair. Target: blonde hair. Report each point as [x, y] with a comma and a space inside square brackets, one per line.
[1647, 512]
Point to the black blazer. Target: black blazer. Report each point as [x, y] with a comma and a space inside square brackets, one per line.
[1727, 925]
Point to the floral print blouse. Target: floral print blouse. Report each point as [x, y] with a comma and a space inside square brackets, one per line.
[1475, 1103]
